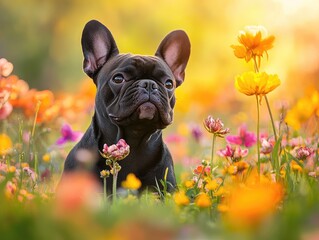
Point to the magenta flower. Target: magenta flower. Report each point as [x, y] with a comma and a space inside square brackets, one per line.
[215, 126]
[244, 138]
[68, 135]
[235, 153]
[117, 151]
[196, 132]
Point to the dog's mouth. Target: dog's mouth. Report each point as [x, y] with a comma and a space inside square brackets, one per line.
[145, 113]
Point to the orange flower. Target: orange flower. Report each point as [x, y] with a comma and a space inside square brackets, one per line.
[248, 206]
[254, 42]
[76, 191]
[203, 200]
[5, 144]
[47, 111]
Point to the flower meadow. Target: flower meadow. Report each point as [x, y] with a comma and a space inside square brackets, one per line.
[234, 182]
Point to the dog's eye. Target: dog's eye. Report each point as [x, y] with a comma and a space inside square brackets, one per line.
[118, 78]
[169, 84]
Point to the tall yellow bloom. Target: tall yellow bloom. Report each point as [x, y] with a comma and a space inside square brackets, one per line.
[251, 83]
[254, 42]
[5, 144]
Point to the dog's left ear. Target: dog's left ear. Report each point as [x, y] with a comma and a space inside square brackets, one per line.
[175, 50]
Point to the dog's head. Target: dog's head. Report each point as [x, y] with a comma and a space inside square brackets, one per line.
[134, 90]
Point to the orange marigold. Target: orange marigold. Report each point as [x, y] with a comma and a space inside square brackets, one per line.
[254, 42]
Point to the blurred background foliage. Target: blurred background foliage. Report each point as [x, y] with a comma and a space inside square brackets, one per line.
[42, 39]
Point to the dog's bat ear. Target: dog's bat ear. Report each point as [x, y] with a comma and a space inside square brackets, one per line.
[98, 46]
[175, 50]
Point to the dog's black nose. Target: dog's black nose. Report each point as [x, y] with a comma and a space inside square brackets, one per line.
[149, 85]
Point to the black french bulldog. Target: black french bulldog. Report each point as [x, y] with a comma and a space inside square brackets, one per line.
[134, 101]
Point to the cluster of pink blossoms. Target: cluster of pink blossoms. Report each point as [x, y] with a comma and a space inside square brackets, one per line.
[117, 151]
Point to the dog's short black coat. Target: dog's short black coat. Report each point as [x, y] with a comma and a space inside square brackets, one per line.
[134, 101]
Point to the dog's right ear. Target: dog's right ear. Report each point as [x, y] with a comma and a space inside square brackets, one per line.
[98, 46]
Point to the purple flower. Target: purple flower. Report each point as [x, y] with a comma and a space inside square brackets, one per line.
[244, 138]
[68, 135]
[196, 132]
[117, 151]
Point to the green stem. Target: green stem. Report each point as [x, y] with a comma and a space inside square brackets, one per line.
[114, 182]
[213, 150]
[104, 192]
[258, 141]
[268, 106]
[271, 118]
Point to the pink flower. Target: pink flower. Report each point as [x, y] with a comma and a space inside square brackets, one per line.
[5, 67]
[117, 151]
[235, 153]
[215, 126]
[68, 135]
[174, 138]
[5, 106]
[30, 173]
[303, 153]
[244, 138]
[266, 146]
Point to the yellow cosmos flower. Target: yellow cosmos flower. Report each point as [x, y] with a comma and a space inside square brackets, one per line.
[5, 144]
[181, 199]
[254, 42]
[251, 83]
[203, 200]
[131, 182]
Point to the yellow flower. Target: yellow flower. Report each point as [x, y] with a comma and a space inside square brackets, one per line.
[251, 83]
[221, 191]
[5, 144]
[213, 184]
[11, 169]
[254, 42]
[189, 183]
[295, 166]
[131, 182]
[181, 199]
[203, 200]
[46, 157]
[304, 109]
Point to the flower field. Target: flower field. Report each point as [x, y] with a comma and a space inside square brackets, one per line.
[251, 175]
